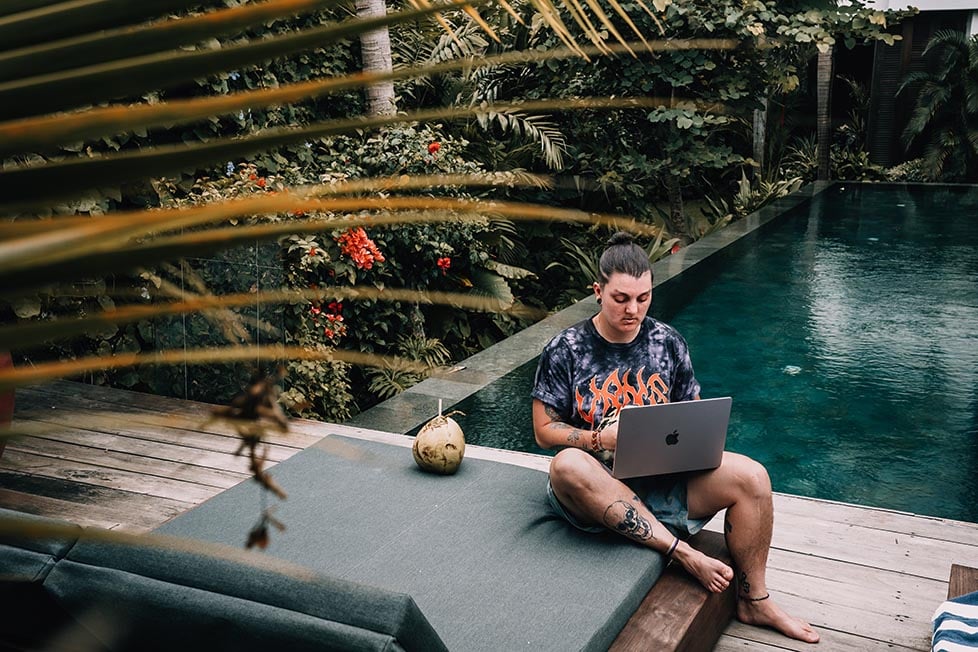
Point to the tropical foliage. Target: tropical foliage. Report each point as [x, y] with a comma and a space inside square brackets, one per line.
[55, 61]
[113, 110]
[944, 122]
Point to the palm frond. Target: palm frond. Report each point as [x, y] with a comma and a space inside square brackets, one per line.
[26, 186]
[465, 41]
[39, 133]
[12, 377]
[46, 21]
[540, 129]
[71, 55]
[107, 243]
[27, 334]
[131, 76]
[390, 380]
[89, 48]
[11, 7]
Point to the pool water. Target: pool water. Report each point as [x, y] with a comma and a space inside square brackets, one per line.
[846, 332]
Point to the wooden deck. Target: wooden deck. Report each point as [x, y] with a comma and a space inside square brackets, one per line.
[868, 579]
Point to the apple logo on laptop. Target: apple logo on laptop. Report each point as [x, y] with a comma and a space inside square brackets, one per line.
[672, 438]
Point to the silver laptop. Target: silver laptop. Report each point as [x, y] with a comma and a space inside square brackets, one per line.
[671, 437]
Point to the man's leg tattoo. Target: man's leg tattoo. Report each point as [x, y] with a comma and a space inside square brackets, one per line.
[623, 517]
[744, 584]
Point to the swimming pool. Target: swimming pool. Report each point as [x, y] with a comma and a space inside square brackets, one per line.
[847, 333]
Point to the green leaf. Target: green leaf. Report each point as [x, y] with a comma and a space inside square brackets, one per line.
[492, 285]
[509, 271]
[27, 307]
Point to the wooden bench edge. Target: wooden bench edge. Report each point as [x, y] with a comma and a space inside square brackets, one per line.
[963, 580]
[678, 613]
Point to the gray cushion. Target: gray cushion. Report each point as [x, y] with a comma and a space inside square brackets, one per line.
[161, 596]
[133, 612]
[30, 548]
[149, 584]
[480, 551]
[30, 555]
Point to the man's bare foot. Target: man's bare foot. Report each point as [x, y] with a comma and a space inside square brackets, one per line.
[766, 613]
[711, 573]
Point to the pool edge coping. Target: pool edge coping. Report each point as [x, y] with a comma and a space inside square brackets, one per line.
[416, 405]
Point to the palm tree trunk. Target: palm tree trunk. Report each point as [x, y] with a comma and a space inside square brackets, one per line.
[375, 49]
[677, 215]
[760, 135]
[823, 90]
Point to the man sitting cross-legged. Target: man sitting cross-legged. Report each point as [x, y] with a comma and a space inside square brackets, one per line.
[590, 370]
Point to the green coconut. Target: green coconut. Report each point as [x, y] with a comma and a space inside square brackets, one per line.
[439, 446]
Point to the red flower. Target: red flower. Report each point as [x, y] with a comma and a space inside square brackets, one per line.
[675, 248]
[361, 249]
[444, 264]
[261, 182]
[315, 310]
[335, 307]
[434, 147]
[312, 251]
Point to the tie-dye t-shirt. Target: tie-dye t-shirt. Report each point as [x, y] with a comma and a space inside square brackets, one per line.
[582, 375]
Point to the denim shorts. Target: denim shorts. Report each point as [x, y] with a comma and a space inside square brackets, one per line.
[665, 496]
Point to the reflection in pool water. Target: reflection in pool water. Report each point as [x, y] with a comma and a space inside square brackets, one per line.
[846, 332]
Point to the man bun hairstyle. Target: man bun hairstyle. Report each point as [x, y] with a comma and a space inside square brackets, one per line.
[622, 256]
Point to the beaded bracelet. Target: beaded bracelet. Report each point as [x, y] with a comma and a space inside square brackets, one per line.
[596, 441]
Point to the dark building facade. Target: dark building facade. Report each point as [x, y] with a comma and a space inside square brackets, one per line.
[889, 113]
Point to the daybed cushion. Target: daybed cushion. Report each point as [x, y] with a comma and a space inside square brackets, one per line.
[480, 552]
[152, 597]
[31, 558]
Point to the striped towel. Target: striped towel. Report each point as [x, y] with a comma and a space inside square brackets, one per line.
[956, 625]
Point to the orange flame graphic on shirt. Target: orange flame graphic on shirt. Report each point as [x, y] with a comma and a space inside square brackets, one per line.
[616, 392]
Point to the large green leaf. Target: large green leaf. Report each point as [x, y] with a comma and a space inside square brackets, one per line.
[509, 271]
[492, 285]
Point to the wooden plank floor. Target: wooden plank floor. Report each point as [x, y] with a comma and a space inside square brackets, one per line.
[868, 579]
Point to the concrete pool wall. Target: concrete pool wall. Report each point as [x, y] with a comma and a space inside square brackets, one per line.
[418, 404]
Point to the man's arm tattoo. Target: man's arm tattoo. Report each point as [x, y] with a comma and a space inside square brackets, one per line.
[558, 423]
[551, 412]
[623, 517]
